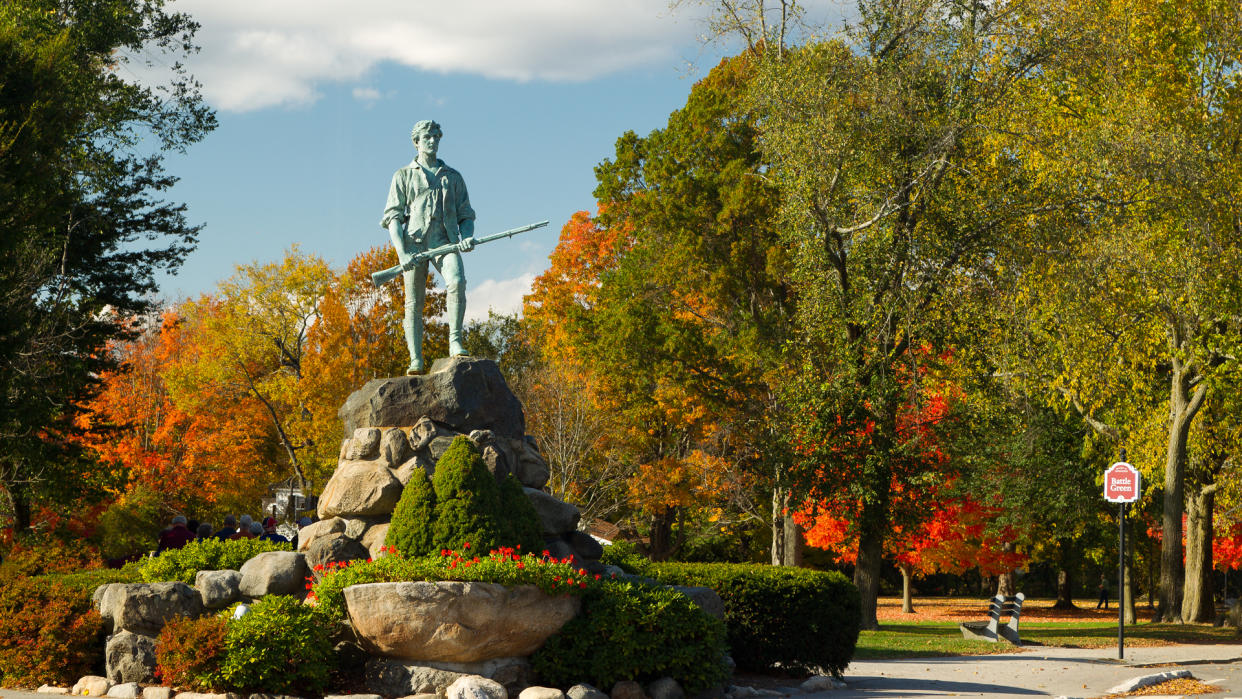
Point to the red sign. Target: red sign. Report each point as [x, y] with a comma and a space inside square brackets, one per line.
[1122, 483]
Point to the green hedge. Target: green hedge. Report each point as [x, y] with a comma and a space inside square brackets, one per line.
[635, 631]
[791, 617]
[205, 554]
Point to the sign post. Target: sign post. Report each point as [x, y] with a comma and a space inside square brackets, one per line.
[1122, 484]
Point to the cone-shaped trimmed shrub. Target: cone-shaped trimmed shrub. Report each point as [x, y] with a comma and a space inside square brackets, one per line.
[467, 501]
[462, 504]
[521, 515]
[410, 531]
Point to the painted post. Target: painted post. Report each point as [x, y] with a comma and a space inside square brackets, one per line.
[1122, 484]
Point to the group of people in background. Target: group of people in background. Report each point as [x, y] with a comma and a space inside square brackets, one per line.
[183, 531]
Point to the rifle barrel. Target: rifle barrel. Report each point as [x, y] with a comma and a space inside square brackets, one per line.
[384, 276]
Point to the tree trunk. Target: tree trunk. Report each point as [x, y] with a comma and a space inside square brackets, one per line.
[661, 545]
[786, 534]
[907, 595]
[1007, 582]
[1183, 405]
[1065, 589]
[873, 523]
[21, 509]
[1151, 577]
[1198, 604]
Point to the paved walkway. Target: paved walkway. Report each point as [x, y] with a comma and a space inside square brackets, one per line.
[1034, 672]
[1039, 671]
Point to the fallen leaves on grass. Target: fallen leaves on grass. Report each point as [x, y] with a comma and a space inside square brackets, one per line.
[967, 609]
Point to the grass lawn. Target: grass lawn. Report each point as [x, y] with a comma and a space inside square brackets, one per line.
[941, 638]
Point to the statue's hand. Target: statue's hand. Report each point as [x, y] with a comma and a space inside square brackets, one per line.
[404, 257]
[466, 244]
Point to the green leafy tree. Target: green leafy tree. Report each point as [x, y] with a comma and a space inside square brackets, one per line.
[687, 311]
[896, 192]
[1131, 305]
[84, 229]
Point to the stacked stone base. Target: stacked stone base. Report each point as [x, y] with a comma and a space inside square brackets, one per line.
[401, 424]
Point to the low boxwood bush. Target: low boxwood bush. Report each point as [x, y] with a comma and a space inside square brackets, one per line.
[49, 632]
[189, 652]
[280, 646]
[205, 554]
[794, 618]
[650, 632]
[461, 503]
[625, 556]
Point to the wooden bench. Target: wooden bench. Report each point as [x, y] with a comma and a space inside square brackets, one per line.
[992, 629]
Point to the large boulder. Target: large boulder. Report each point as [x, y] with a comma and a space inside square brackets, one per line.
[585, 691]
[557, 517]
[130, 657]
[314, 530]
[463, 393]
[359, 489]
[475, 687]
[218, 588]
[274, 573]
[144, 608]
[334, 548]
[531, 470]
[91, 685]
[585, 545]
[374, 538]
[496, 453]
[393, 678]
[364, 445]
[458, 622]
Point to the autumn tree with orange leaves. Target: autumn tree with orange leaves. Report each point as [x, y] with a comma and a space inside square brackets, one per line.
[357, 337]
[199, 456]
[671, 302]
[231, 392]
[935, 527]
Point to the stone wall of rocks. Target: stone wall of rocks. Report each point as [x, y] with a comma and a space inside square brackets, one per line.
[137, 612]
[404, 423]
[424, 682]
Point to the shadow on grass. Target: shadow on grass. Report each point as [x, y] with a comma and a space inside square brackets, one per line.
[941, 639]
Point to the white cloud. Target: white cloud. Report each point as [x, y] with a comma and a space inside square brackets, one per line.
[276, 52]
[502, 296]
[366, 94]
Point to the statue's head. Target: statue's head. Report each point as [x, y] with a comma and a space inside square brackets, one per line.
[425, 126]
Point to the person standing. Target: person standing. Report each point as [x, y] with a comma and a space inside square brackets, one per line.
[176, 536]
[1103, 593]
[270, 533]
[229, 529]
[428, 207]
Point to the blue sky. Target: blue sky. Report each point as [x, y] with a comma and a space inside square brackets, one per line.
[315, 100]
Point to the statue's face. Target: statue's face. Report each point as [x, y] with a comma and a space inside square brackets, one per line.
[428, 143]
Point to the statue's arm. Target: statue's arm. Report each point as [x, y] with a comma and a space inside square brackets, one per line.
[396, 231]
[394, 218]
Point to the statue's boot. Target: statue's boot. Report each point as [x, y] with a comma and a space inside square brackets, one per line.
[414, 336]
[456, 311]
